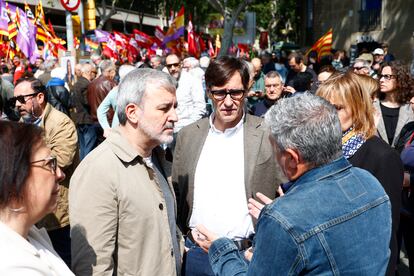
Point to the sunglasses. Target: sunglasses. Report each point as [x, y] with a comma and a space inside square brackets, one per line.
[172, 64]
[49, 163]
[387, 76]
[21, 99]
[358, 68]
[235, 94]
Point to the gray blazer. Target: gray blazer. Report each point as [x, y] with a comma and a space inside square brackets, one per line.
[405, 116]
[262, 174]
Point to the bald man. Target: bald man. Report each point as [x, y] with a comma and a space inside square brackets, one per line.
[256, 91]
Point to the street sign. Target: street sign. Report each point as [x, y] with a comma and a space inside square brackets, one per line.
[70, 5]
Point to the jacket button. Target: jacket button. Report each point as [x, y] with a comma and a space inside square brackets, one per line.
[161, 206]
[172, 252]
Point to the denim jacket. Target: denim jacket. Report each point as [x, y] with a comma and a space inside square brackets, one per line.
[335, 219]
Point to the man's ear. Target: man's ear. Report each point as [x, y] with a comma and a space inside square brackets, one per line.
[292, 160]
[132, 112]
[41, 98]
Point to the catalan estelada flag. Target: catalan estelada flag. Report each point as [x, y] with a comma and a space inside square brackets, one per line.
[175, 31]
[323, 46]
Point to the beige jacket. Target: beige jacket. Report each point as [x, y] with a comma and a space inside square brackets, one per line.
[61, 137]
[119, 223]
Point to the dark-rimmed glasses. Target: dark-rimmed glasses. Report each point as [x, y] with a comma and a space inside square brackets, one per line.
[21, 99]
[49, 163]
[235, 94]
[387, 77]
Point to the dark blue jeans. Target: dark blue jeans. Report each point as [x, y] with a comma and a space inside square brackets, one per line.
[196, 262]
[88, 138]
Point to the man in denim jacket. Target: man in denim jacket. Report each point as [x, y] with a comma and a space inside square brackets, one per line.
[334, 219]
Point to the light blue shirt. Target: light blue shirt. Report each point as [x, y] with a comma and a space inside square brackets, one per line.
[109, 101]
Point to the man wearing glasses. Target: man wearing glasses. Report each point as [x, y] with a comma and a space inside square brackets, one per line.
[220, 162]
[190, 94]
[60, 135]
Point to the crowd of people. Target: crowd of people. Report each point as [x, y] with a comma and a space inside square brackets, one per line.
[272, 165]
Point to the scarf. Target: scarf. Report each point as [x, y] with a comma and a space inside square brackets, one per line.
[351, 142]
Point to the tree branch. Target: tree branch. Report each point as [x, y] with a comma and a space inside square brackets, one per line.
[241, 7]
[218, 6]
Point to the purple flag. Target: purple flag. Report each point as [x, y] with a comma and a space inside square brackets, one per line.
[26, 37]
[102, 36]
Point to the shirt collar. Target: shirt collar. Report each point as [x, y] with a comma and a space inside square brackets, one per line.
[228, 131]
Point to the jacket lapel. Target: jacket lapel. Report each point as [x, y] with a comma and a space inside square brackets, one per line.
[405, 116]
[252, 141]
[380, 126]
[194, 149]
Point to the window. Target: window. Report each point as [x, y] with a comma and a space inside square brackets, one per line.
[370, 15]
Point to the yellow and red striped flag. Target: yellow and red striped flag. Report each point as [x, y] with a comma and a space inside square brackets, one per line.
[12, 26]
[323, 46]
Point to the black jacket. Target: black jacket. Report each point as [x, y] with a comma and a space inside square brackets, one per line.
[58, 96]
[384, 162]
[81, 109]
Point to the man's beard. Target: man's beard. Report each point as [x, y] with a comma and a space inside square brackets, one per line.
[159, 137]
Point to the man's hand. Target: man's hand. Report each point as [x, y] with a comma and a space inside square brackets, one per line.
[248, 254]
[255, 207]
[289, 89]
[203, 237]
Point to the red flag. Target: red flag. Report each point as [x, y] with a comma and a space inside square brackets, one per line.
[158, 35]
[143, 39]
[202, 43]
[193, 48]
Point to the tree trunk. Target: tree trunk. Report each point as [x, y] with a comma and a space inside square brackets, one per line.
[227, 38]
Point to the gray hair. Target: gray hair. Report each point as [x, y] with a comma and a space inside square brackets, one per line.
[86, 68]
[272, 75]
[107, 65]
[251, 69]
[192, 62]
[308, 124]
[135, 84]
[365, 63]
[50, 64]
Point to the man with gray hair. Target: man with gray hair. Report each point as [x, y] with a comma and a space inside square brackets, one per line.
[333, 219]
[122, 208]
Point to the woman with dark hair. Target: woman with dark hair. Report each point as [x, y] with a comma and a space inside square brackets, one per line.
[396, 90]
[29, 188]
[360, 145]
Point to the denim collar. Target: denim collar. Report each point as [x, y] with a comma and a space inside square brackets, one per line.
[319, 173]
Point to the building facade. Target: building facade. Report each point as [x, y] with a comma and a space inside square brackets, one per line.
[361, 24]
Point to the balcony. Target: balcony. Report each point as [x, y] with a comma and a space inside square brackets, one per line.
[369, 20]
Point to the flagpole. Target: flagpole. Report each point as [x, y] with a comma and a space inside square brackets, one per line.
[82, 24]
[69, 32]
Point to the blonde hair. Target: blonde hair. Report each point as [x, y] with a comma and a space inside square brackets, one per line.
[369, 85]
[347, 89]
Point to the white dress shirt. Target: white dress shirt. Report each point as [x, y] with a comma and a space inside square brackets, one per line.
[220, 201]
[191, 103]
[34, 256]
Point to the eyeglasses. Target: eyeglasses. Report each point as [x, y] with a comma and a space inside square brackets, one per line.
[172, 64]
[49, 163]
[21, 99]
[235, 94]
[387, 77]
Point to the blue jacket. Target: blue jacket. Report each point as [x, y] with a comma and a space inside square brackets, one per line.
[335, 219]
